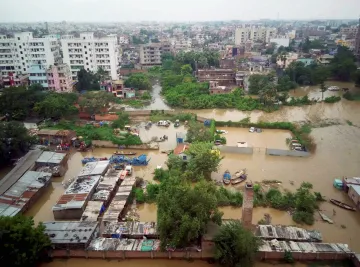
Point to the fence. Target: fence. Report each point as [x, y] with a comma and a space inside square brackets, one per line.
[235, 149]
[283, 152]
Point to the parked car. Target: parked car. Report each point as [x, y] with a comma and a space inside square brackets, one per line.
[252, 129]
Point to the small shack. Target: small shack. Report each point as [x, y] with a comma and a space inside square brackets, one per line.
[55, 137]
[180, 151]
[52, 162]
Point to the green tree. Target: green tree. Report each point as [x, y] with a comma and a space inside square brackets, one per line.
[258, 82]
[184, 211]
[343, 64]
[96, 102]
[198, 133]
[305, 204]
[235, 245]
[55, 106]
[22, 244]
[87, 81]
[203, 161]
[17, 102]
[14, 141]
[186, 69]
[102, 75]
[138, 81]
[122, 120]
[356, 78]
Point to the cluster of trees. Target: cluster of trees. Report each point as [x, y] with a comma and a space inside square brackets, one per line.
[17, 103]
[14, 141]
[138, 81]
[302, 203]
[22, 243]
[89, 81]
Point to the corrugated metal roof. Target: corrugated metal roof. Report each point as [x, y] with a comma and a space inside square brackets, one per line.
[21, 167]
[82, 185]
[92, 211]
[94, 168]
[70, 232]
[356, 188]
[51, 157]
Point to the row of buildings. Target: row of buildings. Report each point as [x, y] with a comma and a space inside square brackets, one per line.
[54, 61]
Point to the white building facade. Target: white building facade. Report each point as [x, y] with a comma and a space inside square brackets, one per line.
[253, 33]
[150, 54]
[91, 53]
[19, 53]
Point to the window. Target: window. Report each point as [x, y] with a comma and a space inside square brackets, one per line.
[22, 58]
[85, 46]
[85, 52]
[21, 52]
[19, 38]
[24, 69]
[20, 46]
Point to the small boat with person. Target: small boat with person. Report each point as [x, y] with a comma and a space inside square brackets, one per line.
[239, 177]
[226, 177]
[124, 153]
[342, 205]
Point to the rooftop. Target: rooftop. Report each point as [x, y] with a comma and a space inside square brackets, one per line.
[102, 243]
[130, 229]
[180, 149]
[70, 232]
[92, 211]
[51, 157]
[286, 233]
[94, 168]
[14, 199]
[21, 167]
[356, 188]
[275, 245]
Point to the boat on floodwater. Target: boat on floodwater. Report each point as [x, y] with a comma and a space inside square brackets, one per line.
[124, 153]
[342, 205]
[239, 177]
[226, 177]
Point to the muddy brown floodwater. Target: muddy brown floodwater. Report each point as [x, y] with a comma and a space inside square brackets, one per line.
[337, 155]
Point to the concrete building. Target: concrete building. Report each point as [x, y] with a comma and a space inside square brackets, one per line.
[18, 53]
[254, 33]
[123, 39]
[284, 62]
[91, 53]
[224, 77]
[150, 54]
[324, 59]
[350, 32]
[281, 41]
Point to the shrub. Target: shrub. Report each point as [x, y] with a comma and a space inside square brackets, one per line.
[303, 217]
[139, 195]
[152, 191]
[161, 175]
[332, 99]
[288, 257]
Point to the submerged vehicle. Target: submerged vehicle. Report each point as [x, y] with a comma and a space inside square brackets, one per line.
[177, 123]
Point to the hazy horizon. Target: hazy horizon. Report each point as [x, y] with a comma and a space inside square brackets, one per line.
[26, 11]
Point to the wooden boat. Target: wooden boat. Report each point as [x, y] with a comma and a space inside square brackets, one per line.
[239, 177]
[342, 205]
[122, 153]
[226, 177]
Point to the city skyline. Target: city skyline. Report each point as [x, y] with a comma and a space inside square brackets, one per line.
[178, 11]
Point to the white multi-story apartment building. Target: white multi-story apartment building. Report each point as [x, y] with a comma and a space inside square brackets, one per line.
[150, 54]
[19, 53]
[253, 33]
[91, 53]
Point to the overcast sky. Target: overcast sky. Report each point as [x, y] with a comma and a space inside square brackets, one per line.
[174, 10]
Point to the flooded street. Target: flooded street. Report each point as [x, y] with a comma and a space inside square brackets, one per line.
[337, 155]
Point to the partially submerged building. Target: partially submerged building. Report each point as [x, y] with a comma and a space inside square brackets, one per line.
[130, 229]
[71, 235]
[107, 187]
[55, 137]
[23, 193]
[72, 203]
[120, 200]
[287, 233]
[52, 162]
